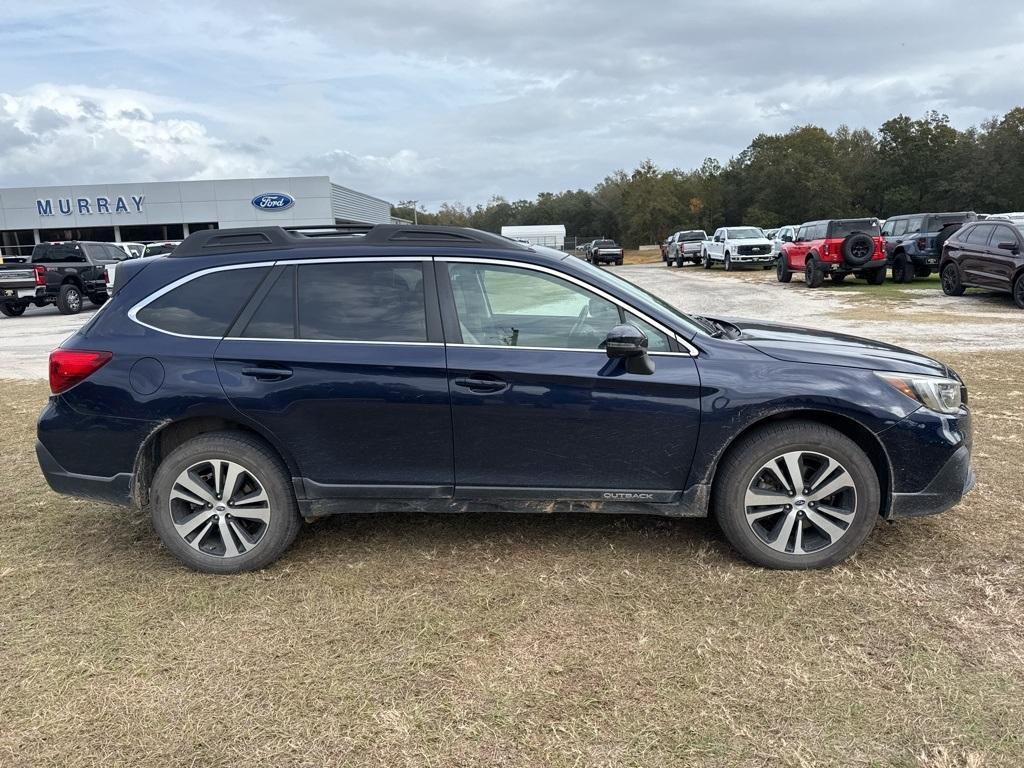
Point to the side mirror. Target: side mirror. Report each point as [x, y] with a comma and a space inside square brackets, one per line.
[1008, 246]
[787, 238]
[628, 342]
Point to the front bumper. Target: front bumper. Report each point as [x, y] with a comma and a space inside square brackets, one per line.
[930, 454]
[952, 483]
[752, 258]
[110, 490]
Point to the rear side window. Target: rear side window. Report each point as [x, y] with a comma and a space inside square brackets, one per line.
[979, 235]
[275, 317]
[362, 301]
[204, 306]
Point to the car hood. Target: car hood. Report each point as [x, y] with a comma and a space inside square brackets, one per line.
[804, 345]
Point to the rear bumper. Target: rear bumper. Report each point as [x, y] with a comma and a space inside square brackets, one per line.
[19, 292]
[952, 483]
[110, 490]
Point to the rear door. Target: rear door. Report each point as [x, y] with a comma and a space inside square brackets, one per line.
[974, 258]
[343, 361]
[538, 409]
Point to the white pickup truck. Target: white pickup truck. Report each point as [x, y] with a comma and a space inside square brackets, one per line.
[737, 246]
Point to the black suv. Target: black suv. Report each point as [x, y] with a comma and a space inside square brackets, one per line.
[256, 377]
[61, 273]
[913, 242]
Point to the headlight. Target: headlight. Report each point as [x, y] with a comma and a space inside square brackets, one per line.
[933, 392]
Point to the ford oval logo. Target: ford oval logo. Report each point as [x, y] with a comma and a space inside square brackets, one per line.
[273, 201]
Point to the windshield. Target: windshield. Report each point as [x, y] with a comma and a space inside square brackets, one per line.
[844, 228]
[636, 292]
[691, 236]
[744, 233]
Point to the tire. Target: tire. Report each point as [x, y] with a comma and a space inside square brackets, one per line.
[902, 269]
[705, 260]
[814, 276]
[952, 285]
[98, 299]
[823, 539]
[857, 249]
[875, 276]
[262, 469]
[12, 310]
[1018, 291]
[782, 271]
[618, 262]
[728, 262]
[837, 277]
[69, 300]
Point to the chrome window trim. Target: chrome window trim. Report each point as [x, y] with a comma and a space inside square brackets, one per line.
[691, 351]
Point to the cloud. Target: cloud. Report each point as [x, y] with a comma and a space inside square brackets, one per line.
[449, 101]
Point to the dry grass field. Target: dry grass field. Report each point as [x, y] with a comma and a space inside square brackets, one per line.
[418, 640]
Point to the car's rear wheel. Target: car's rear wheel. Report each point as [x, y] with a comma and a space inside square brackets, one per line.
[951, 283]
[797, 495]
[902, 270]
[69, 300]
[98, 299]
[875, 276]
[13, 310]
[814, 276]
[1018, 291]
[782, 271]
[223, 503]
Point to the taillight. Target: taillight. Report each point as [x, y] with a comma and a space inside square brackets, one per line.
[824, 249]
[71, 366]
[40, 275]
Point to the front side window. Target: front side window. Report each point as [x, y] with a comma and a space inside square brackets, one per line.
[914, 226]
[362, 301]
[512, 307]
[887, 229]
[900, 227]
[1002, 234]
[204, 306]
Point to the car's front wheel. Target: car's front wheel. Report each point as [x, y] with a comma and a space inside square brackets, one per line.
[705, 260]
[782, 271]
[797, 495]
[1018, 291]
[223, 503]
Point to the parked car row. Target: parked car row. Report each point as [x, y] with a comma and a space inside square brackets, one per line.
[66, 273]
[967, 248]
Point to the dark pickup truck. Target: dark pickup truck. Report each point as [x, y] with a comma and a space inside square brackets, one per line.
[64, 274]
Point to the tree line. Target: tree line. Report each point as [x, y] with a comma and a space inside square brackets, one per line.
[907, 166]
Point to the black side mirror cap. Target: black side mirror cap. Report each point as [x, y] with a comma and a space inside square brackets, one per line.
[1008, 246]
[630, 343]
[787, 238]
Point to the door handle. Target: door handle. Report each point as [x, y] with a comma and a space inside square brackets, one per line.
[481, 383]
[267, 373]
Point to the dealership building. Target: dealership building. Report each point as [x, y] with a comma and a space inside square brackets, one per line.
[170, 210]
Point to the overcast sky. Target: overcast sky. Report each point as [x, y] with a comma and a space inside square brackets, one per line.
[435, 101]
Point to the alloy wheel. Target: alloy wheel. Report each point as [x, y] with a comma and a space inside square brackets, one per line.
[219, 508]
[801, 502]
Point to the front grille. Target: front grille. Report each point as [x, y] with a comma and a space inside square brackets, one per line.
[753, 250]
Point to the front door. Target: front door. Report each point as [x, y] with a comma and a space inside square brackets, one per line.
[343, 362]
[538, 409]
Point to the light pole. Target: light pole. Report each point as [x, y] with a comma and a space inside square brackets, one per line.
[415, 213]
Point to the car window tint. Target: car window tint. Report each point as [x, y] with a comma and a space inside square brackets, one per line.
[1003, 234]
[887, 229]
[204, 306]
[914, 225]
[900, 227]
[979, 235]
[362, 301]
[275, 318]
[656, 340]
[507, 306]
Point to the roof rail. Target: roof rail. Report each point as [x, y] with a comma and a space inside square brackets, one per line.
[209, 242]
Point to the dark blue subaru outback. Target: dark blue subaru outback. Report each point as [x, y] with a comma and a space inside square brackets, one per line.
[256, 377]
